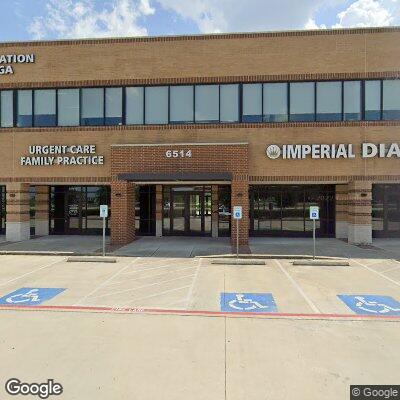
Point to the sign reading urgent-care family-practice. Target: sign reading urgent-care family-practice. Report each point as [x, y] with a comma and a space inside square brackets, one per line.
[332, 151]
[8, 62]
[49, 155]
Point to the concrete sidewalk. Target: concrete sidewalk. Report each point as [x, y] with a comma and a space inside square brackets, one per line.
[187, 247]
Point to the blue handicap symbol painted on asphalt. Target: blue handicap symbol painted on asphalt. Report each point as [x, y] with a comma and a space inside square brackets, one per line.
[248, 302]
[371, 305]
[30, 296]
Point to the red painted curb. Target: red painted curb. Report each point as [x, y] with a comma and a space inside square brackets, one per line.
[195, 312]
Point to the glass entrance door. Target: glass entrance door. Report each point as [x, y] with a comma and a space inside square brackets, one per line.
[187, 210]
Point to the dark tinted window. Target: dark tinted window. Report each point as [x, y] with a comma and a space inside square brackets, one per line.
[229, 103]
[252, 103]
[275, 102]
[113, 106]
[352, 100]
[372, 100]
[181, 104]
[45, 107]
[329, 101]
[24, 104]
[68, 107]
[93, 106]
[391, 99]
[302, 106]
[134, 105]
[6, 108]
[157, 105]
[207, 103]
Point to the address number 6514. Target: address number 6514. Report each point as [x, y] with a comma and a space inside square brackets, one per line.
[178, 153]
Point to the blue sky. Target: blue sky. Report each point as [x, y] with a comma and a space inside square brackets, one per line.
[59, 19]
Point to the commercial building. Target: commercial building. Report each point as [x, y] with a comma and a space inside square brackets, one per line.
[172, 132]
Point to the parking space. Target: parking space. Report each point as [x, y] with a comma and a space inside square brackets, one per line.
[195, 284]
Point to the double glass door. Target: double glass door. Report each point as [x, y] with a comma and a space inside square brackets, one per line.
[187, 210]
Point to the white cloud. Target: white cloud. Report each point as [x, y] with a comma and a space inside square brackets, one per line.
[81, 19]
[369, 13]
[246, 15]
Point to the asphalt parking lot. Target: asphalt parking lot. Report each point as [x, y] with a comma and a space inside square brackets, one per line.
[175, 328]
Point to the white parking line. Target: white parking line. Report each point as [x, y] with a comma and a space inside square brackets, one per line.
[149, 276]
[390, 269]
[299, 289]
[142, 287]
[148, 269]
[31, 272]
[155, 295]
[189, 299]
[106, 281]
[378, 273]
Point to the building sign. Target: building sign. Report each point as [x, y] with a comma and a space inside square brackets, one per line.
[332, 151]
[48, 155]
[8, 61]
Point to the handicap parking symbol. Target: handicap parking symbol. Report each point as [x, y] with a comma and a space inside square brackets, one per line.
[248, 302]
[371, 305]
[30, 296]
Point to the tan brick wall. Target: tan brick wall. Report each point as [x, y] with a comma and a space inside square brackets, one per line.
[17, 202]
[42, 203]
[359, 203]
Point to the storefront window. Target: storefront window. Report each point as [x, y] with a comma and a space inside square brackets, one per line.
[329, 101]
[252, 103]
[113, 106]
[207, 103]
[181, 104]
[68, 107]
[134, 105]
[372, 100]
[6, 109]
[45, 108]
[352, 100]
[391, 99]
[224, 210]
[275, 102]
[229, 95]
[386, 210]
[24, 107]
[302, 97]
[92, 107]
[3, 209]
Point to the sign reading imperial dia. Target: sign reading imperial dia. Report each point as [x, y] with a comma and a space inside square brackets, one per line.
[8, 62]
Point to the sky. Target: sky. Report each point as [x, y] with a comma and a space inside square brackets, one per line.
[64, 19]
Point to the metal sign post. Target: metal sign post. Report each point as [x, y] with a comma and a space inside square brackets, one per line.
[104, 215]
[237, 214]
[314, 215]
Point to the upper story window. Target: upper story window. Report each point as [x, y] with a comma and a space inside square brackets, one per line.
[302, 101]
[207, 103]
[252, 102]
[329, 101]
[24, 108]
[92, 107]
[45, 108]
[156, 103]
[229, 103]
[181, 104]
[6, 109]
[391, 100]
[372, 100]
[68, 107]
[113, 106]
[352, 100]
[134, 111]
[275, 102]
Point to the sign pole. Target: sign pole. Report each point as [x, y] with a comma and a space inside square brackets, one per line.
[104, 236]
[237, 238]
[314, 238]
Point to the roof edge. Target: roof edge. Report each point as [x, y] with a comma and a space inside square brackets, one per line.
[211, 36]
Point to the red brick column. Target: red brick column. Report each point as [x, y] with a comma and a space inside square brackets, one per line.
[214, 210]
[240, 197]
[123, 212]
